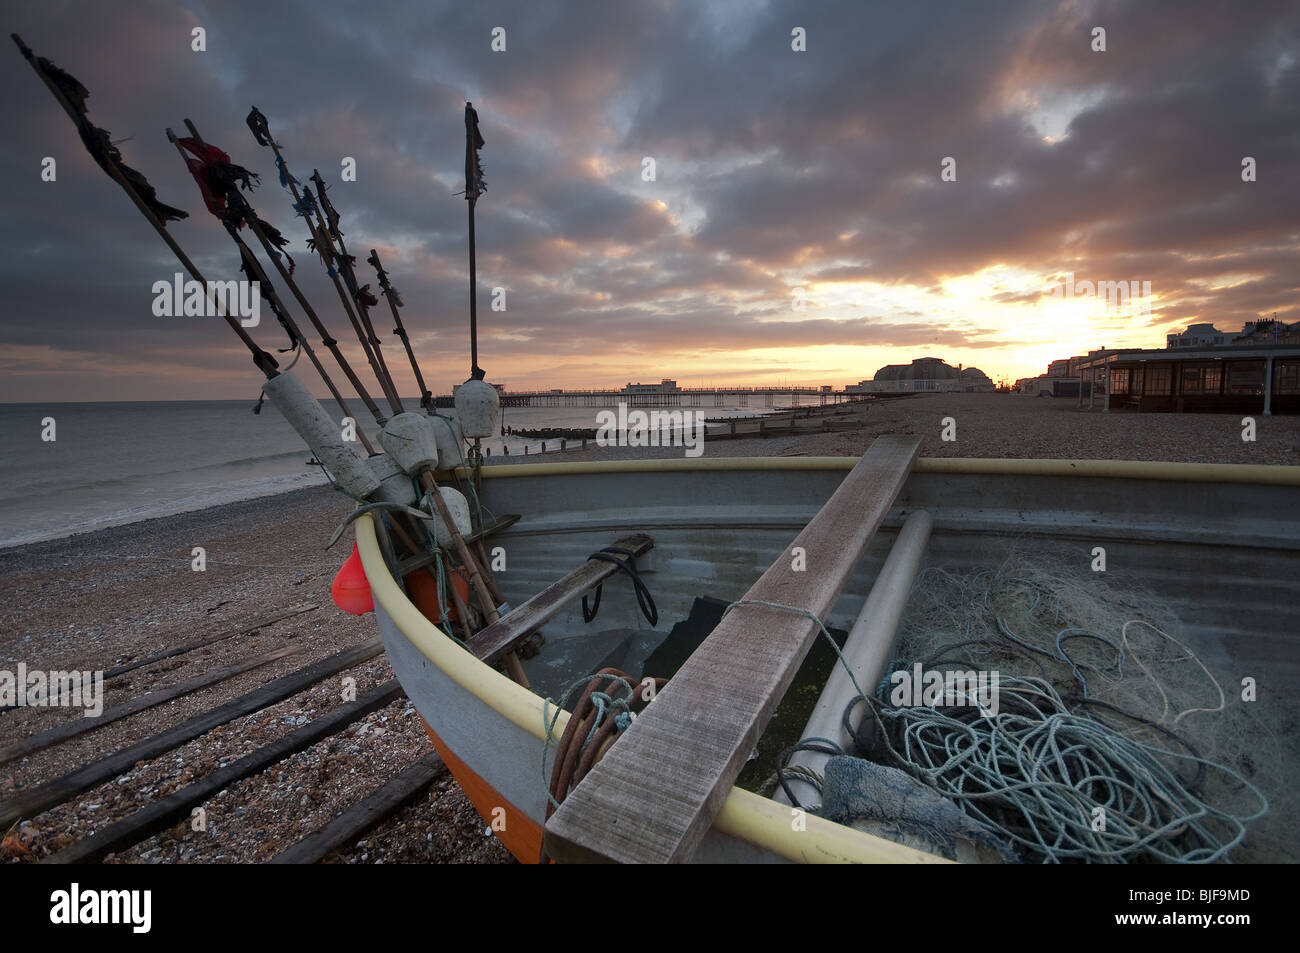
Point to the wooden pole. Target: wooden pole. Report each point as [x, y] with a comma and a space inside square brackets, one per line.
[350, 276]
[323, 241]
[265, 362]
[326, 339]
[329, 342]
[473, 296]
[426, 396]
[320, 235]
[476, 578]
[255, 272]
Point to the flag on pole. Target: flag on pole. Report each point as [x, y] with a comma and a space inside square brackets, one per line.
[219, 181]
[332, 218]
[475, 185]
[97, 141]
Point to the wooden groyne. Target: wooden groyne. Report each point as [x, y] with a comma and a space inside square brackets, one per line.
[737, 428]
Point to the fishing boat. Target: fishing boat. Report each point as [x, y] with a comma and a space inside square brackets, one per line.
[673, 604]
[1219, 542]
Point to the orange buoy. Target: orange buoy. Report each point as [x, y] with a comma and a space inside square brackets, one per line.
[351, 589]
[422, 590]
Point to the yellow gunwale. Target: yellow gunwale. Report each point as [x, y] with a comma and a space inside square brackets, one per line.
[758, 820]
[1119, 469]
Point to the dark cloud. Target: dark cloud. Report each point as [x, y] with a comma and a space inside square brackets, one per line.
[774, 168]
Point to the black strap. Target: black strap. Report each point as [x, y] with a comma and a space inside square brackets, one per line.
[646, 601]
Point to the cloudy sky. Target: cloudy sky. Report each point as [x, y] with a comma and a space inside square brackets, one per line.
[782, 177]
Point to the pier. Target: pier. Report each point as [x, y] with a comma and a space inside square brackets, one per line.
[679, 397]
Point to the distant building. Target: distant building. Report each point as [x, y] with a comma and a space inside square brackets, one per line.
[1268, 332]
[1246, 379]
[1063, 379]
[1198, 336]
[922, 375]
[973, 380]
[665, 386]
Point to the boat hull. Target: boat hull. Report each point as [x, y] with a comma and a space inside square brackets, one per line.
[1220, 544]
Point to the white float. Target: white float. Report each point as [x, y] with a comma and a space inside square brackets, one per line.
[478, 408]
[322, 434]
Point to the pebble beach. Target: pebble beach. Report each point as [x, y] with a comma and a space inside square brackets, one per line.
[96, 600]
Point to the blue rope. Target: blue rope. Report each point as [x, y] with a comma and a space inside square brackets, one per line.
[1036, 772]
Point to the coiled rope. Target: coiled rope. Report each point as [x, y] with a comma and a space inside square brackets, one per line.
[1059, 782]
[605, 708]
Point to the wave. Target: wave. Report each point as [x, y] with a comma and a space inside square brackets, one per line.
[45, 522]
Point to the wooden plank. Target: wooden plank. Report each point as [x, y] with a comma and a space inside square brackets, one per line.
[219, 637]
[419, 562]
[657, 790]
[32, 802]
[366, 814]
[79, 726]
[176, 806]
[495, 640]
[505, 522]
[191, 646]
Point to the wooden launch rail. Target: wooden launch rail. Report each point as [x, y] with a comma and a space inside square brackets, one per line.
[494, 641]
[364, 815]
[79, 726]
[656, 792]
[32, 802]
[191, 646]
[176, 806]
[246, 629]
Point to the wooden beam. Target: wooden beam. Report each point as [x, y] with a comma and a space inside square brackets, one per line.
[658, 789]
[79, 726]
[505, 522]
[244, 629]
[366, 814]
[176, 806]
[495, 640]
[191, 646]
[35, 800]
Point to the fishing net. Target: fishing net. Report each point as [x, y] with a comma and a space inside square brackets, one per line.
[1103, 737]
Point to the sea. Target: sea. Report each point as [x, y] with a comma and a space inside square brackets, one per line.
[118, 462]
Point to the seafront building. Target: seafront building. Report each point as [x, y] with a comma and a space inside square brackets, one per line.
[665, 386]
[1198, 335]
[1200, 370]
[924, 375]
